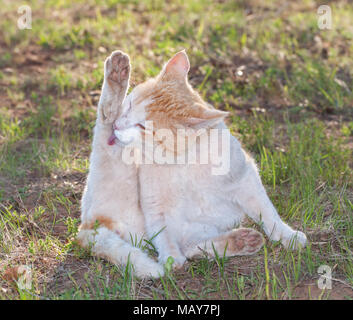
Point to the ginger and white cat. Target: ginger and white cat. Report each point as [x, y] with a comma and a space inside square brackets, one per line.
[194, 208]
[111, 214]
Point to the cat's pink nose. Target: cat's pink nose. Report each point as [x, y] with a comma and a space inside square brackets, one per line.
[115, 127]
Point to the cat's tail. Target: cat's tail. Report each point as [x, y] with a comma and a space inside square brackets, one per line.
[237, 242]
[108, 244]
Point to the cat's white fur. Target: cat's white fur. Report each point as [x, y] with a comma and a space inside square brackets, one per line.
[195, 207]
[111, 192]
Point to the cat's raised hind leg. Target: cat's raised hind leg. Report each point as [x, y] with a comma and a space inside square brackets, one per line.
[115, 85]
[237, 242]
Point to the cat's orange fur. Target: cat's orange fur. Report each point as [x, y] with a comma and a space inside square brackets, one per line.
[194, 208]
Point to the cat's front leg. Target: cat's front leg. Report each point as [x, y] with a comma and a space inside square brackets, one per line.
[157, 229]
[168, 248]
[115, 85]
[251, 196]
[157, 201]
[164, 242]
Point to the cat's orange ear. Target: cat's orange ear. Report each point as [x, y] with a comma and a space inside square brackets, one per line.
[202, 117]
[178, 66]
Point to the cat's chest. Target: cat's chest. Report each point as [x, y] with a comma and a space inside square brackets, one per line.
[205, 196]
[202, 211]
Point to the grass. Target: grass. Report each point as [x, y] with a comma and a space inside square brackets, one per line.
[286, 83]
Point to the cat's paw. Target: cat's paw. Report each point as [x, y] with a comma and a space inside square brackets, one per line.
[115, 85]
[117, 70]
[149, 269]
[178, 260]
[244, 241]
[294, 240]
[156, 271]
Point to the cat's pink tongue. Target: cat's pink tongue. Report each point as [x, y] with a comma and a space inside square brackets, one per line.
[111, 139]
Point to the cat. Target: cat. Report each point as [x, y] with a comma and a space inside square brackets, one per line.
[190, 209]
[111, 217]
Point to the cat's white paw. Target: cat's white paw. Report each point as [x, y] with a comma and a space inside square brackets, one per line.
[294, 240]
[178, 260]
[151, 269]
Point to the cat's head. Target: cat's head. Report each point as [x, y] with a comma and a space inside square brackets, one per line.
[169, 101]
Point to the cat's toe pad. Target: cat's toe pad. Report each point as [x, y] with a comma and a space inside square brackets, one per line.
[244, 241]
[117, 67]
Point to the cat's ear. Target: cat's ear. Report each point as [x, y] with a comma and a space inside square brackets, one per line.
[202, 117]
[178, 66]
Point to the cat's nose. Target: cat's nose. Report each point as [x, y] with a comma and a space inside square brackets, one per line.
[115, 127]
